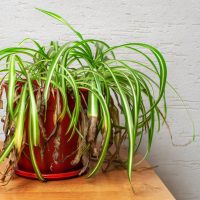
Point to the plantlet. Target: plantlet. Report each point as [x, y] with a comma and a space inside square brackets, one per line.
[123, 97]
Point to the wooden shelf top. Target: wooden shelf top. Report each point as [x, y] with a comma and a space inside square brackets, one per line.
[112, 185]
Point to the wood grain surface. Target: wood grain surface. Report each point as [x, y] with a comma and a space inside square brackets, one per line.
[112, 185]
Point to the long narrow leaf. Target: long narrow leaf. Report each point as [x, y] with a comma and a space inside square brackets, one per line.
[19, 130]
[11, 84]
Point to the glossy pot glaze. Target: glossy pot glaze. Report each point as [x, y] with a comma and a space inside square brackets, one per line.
[58, 145]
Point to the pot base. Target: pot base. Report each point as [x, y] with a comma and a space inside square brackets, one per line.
[58, 176]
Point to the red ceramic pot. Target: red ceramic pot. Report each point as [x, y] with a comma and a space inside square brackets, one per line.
[50, 169]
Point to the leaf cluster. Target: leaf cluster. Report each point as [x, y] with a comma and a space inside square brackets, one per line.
[123, 94]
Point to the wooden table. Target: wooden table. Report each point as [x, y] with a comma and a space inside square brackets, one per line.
[111, 185]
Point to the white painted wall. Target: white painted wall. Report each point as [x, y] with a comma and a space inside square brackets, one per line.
[171, 25]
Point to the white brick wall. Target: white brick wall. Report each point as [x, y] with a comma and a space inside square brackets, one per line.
[171, 25]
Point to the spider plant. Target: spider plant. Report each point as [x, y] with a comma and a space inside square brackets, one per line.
[123, 96]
